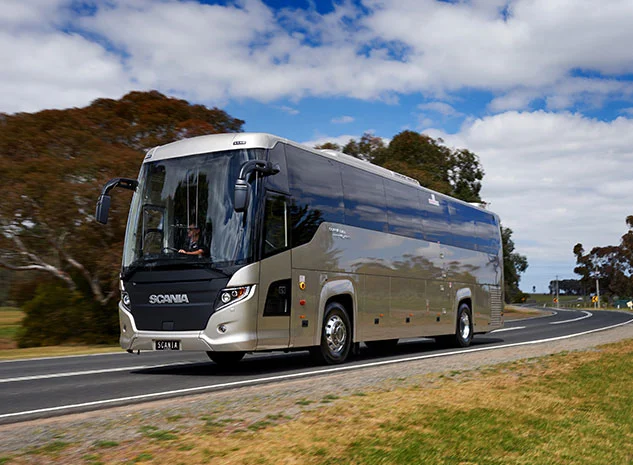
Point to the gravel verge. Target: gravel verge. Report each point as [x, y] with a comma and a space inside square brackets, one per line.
[248, 405]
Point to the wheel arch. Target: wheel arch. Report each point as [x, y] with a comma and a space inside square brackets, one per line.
[342, 292]
[463, 296]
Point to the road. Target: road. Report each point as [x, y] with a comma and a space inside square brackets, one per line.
[40, 388]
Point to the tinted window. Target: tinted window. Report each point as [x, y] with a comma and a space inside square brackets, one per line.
[275, 225]
[317, 193]
[435, 221]
[364, 199]
[486, 232]
[463, 225]
[403, 210]
[278, 182]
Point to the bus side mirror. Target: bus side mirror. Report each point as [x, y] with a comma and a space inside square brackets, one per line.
[240, 202]
[240, 198]
[103, 207]
[103, 203]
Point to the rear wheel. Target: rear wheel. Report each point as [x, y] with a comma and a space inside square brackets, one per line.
[463, 329]
[336, 336]
[226, 358]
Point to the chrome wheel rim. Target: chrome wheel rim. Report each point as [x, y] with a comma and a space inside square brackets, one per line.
[464, 326]
[335, 334]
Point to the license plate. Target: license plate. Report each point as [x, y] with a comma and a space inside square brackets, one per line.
[167, 345]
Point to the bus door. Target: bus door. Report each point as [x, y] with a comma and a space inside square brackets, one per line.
[273, 314]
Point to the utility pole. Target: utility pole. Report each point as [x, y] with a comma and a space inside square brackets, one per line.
[598, 293]
[557, 299]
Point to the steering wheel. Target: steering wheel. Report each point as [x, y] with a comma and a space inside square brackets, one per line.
[170, 249]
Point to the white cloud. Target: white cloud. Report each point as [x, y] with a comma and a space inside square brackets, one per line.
[343, 120]
[442, 108]
[290, 110]
[555, 179]
[214, 53]
[44, 67]
[341, 140]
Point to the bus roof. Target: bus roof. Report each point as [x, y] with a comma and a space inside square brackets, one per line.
[260, 140]
[246, 140]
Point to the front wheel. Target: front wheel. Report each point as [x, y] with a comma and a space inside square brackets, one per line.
[226, 359]
[336, 336]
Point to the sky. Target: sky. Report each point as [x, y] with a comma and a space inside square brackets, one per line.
[540, 90]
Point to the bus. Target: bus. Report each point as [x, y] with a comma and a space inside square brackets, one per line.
[246, 242]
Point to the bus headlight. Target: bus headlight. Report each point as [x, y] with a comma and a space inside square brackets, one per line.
[232, 295]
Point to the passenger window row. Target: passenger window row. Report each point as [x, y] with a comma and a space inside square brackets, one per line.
[324, 190]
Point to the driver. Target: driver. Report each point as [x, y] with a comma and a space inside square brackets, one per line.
[193, 245]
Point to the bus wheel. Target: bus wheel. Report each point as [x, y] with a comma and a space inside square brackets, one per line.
[381, 347]
[226, 359]
[464, 330]
[336, 336]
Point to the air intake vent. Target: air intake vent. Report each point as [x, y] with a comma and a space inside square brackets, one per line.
[496, 306]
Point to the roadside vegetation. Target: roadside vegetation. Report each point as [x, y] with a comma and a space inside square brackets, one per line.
[10, 328]
[574, 302]
[10, 323]
[568, 408]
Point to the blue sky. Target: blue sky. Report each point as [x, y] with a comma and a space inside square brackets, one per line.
[541, 90]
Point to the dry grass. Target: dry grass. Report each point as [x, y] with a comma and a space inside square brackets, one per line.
[55, 351]
[10, 322]
[560, 409]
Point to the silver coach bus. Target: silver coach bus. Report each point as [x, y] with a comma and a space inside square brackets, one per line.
[243, 242]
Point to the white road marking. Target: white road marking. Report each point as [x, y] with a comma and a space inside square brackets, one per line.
[506, 329]
[247, 382]
[587, 315]
[87, 372]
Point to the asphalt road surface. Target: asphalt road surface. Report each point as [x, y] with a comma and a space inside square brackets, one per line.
[47, 387]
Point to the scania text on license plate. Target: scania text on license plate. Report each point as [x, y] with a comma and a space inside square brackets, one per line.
[167, 345]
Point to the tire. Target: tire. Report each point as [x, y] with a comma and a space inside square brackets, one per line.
[382, 347]
[463, 330]
[226, 359]
[336, 336]
[464, 326]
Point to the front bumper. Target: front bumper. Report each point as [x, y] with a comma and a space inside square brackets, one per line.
[238, 321]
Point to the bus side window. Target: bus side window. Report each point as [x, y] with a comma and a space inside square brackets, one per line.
[275, 237]
[279, 181]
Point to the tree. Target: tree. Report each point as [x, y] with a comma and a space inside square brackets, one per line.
[465, 175]
[610, 266]
[53, 164]
[454, 172]
[328, 146]
[368, 148]
[513, 265]
[566, 286]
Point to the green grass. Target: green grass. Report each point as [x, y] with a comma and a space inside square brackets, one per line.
[304, 402]
[52, 448]
[153, 432]
[10, 323]
[143, 457]
[569, 408]
[105, 444]
[584, 416]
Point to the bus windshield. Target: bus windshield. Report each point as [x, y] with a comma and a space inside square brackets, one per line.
[182, 213]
